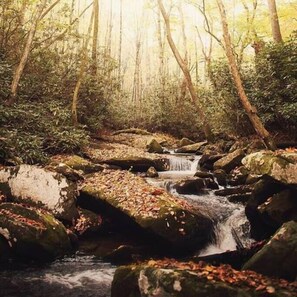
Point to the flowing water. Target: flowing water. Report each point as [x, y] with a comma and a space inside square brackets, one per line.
[87, 276]
[229, 216]
[78, 276]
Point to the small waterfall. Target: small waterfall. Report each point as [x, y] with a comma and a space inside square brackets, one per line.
[182, 163]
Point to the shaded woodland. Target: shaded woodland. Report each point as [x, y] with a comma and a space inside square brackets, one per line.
[71, 69]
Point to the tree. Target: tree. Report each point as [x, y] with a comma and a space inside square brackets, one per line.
[276, 32]
[82, 71]
[184, 67]
[249, 109]
[95, 37]
[39, 14]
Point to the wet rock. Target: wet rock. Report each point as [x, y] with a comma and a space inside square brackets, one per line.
[203, 174]
[252, 179]
[184, 141]
[281, 166]
[192, 148]
[32, 233]
[139, 164]
[279, 208]
[207, 161]
[148, 210]
[278, 257]
[263, 189]
[190, 186]
[37, 185]
[153, 146]
[170, 278]
[152, 172]
[234, 191]
[230, 161]
[221, 177]
[240, 198]
[210, 184]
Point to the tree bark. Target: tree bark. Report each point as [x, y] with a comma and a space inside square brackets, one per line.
[276, 32]
[184, 67]
[250, 110]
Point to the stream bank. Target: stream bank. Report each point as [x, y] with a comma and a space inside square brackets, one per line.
[117, 189]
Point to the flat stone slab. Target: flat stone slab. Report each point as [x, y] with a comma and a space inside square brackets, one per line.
[186, 279]
[153, 209]
[32, 183]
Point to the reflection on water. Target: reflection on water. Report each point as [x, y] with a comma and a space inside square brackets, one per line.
[75, 276]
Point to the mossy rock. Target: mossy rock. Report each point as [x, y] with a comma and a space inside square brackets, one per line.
[155, 211]
[32, 233]
[166, 280]
[281, 166]
[278, 257]
[77, 163]
[153, 146]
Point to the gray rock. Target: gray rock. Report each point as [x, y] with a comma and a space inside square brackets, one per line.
[192, 148]
[230, 161]
[153, 146]
[50, 189]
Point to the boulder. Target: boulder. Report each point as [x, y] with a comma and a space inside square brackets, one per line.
[239, 198]
[186, 279]
[152, 172]
[76, 163]
[153, 146]
[262, 190]
[207, 161]
[140, 164]
[279, 208]
[230, 161]
[238, 176]
[68, 172]
[278, 257]
[32, 233]
[37, 185]
[281, 166]
[136, 205]
[221, 177]
[184, 141]
[203, 174]
[210, 184]
[190, 186]
[192, 148]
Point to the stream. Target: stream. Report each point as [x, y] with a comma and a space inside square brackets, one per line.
[87, 276]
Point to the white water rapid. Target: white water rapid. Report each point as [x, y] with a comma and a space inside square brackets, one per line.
[230, 216]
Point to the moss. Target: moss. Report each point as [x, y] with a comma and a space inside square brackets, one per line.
[33, 233]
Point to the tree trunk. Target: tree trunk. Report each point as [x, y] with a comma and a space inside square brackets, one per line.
[250, 110]
[276, 32]
[20, 68]
[120, 44]
[184, 67]
[95, 37]
[82, 70]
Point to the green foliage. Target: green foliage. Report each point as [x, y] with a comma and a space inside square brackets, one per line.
[270, 86]
[30, 133]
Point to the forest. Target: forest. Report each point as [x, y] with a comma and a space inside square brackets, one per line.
[130, 122]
